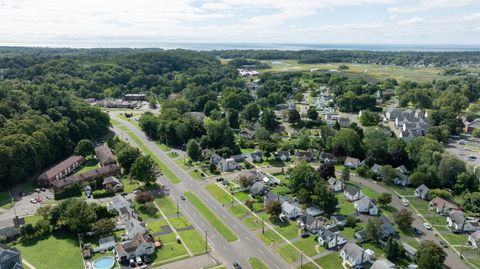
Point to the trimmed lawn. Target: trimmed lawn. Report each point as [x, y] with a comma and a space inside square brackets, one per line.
[166, 205]
[419, 204]
[270, 237]
[370, 193]
[387, 210]
[348, 232]
[194, 241]
[242, 196]
[256, 263]
[130, 185]
[238, 211]
[90, 164]
[144, 214]
[180, 162]
[220, 194]
[224, 231]
[455, 239]
[346, 208]
[252, 223]
[180, 222]
[248, 150]
[289, 230]
[307, 245]
[56, 251]
[196, 174]
[435, 219]
[32, 219]
[379, 252]
[170, 250]
[412, 243]
[332, 260]
[283, 178]
[288, 253]
[114, 122]
[154, 226]
[281, 190]
[172, 154]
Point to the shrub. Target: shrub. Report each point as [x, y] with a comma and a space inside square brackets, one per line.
[144, 197]
[69, 191]
[103, 193]
[150, 208]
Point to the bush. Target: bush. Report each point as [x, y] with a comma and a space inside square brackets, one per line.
[103, 193]
[150, 208]
[69, 191]
[144, 197]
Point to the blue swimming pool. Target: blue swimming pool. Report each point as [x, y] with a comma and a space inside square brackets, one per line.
[104, 263]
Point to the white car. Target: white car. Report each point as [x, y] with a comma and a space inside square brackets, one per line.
[49, 197]
[33, 201]
[427, 226]
[404, 202]
[138, 260]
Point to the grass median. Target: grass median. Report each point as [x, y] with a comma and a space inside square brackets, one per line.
[163, 167]
[256, 263]
[221, 228]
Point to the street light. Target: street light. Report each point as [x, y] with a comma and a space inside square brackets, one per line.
[206, 241]
[301, 259]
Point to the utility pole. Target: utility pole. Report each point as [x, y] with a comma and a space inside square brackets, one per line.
[301, 259]
[206, 240]
[263, 227]
[177, 208]
[463, 245]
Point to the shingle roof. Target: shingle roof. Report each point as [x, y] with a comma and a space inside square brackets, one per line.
[57, 169]
[383, 264]
[352, 190]
[105, 154]
[353, 250]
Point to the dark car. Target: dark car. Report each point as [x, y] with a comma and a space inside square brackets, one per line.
[182, 197]
[305, 235]
[219, 179]
[146, 259]
[443, 244]
[236, 265]
[417, 231]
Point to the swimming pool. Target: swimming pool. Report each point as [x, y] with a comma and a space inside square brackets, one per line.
[104, 263]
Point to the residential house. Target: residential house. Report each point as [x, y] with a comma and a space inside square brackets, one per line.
[134, 97]
[105, 243]
[258, 188]
[344, 122]
[474, 239]
[271, 180]
[282, 156]
[400, 178]
[376, 169]
[305, 155]
[291, 210]
[140, 245]
[402, 169]
[10, 258]
[254, 157]
[134, 227]
[352, 193]
[112, 183]
[458, 223]
[198, 116]
[383, 264]
[422, 192]
[309, 223]
[411, 123]
[351, 162]
[10, 227]
[470, 126]
[409, 251]
[238, 158]
[251, 174]
[247, 134]
[338, 219]
[104, 171]
[271, 196]
[354, 256]
[335, 185]
[387, 227]
[441, 206]
[326, 157]
[227, 165]
[330, 237]
[314, 211]
[61, 170]
[117, 203]
[365, 205]
[105, 155]
[215, 159]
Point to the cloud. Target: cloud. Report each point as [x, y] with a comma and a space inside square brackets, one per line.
[409, 21]
[427, 5]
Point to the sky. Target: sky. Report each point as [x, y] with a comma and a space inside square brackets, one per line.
[115, 22]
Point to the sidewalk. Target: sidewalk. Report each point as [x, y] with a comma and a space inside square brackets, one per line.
[202, 261]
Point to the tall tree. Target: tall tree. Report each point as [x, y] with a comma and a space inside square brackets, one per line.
[144, 169]
[373, 230]
[384, 198]
[194, 150]
[274, 209]
[324, 198]
[84, 148]
[326, 170]
[393, 250]
[403, 218]
[430, 255]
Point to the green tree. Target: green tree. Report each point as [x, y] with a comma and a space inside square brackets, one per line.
[209, 106]
[430, 255]
[262, 134]
[466, 181]
[245, 181]
[232, 118]
[384, 198]
[84, 148]
[388, 173]
[346, 174]
[74, 214]
[404, 219]
[144, 169]
[393, 250]
[349, 140]
[251, 112]
[312, 113]
[267, 147]
[104, 226]
[303, 141]
[471, 202]
[274, 209]
[440, 193]
[369, 118]
[269, 120]
[126, 156]
[324, 198]
[293, 116]
[303, 176]
[476, 133]
[373, 230]
[326, 170]
[449, 168]
[194, 150]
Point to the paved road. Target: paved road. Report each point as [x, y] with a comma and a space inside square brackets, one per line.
[453, 261]
[247, 245]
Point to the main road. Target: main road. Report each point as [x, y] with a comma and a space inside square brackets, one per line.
[247, 245]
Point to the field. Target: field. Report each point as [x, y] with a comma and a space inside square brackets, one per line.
[256, 263]
[379, 72]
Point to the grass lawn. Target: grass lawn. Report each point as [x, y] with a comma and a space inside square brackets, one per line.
[130, 185]
[248, 150]
[435, 219]
[220, 194]
[345, 207]
[144, 214]
[455, 239]
[163, 147]
[388, 210]
[56, 251]
[196, 174]
[5, 200]
[114, 122]
[154, 226]
[379, 252]
[238, 211]
[242, 196]
[289, 230]
[370, 193]
[256, 263]
[194, 241]
[307, 245]
[180, 222]
[412, 243]
[224, 231]
[332, 260]
[281, 190]
[252, 223]
[90, 164]
[180, 162]
[166, 205]
[270, 237]
[172, 154]
[170, 250]
[288, 253]
[32, 219]
[348, 232]
[419, 204]
[283, 178]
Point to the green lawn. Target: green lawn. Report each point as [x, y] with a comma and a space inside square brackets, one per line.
[224, 231]
[170, 251]
[180, 222]
[455, 239]
[194, 241]
[345, 207]
[289, 230]
[196, 174]
[435, 219]
[144, 214]
[281, 190]
[167, 206]
[253, 223]
[283, 178]
[56, 251]
[154, 226]
[270, 237]
[238, 211]
[162, 146]
[348, 232]
[220, 194]
[379, 252]
[32, 219]
[370, 193]
[288, 253]
[5, 200]
[332, 260]
[130, 185]
[388, 210]
[90, 164]
[307, 245]
[419, 204]
[256, 263]
[242, 196]
[114, 122]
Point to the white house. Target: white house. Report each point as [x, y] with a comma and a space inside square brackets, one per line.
[291, 211]
[330, 237]
[351, 162]
[474, 239]
[422, 192]
[354, 255]
[283, 156]
[254, 157]
[441, 206]
[335, 184]
[458, 223]
[134, 227]
[140, 245]
[353, 193]
[227, 165]
[383, 264]
[365, 205]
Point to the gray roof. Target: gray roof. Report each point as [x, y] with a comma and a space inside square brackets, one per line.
[352, 160]
[375, 168]
[364, 202]
[409, 249]
[353, 250]
[289, 208]
[457, 217]
[383, 264]
[270, 196]
[422, 189]
[352, 190]
[475, 235]
[258, 187]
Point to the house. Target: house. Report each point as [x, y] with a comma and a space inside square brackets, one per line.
[422, 192]
[409, 251]
[61, 170]
[309, 223]
[352, 193]
[105, 155]
[375, 169]
[227, 165]
[402, 169]
[10, 227]
[305, 155]
[254, 157]
[314, 211]
[238, 158]
[365, 205]
[117, 203]
[326, 157]
[330, 237]
[291, 210]
[344, 122]
[134, 97]
[354, 255]
[352, 162]
[335, 185]
[458, 223]
[282, 156]
[105, 243]
[112, 183]
[10, 258]
[104, 171]
[134, 227]
[441, 206]
[400, 178]
[247, 134]
[215, 159]
[140, 245]
[383, 264]
[338, 219]
[258, 189]
[270, 196]
[251, 174]
[271, 180]
[470, 126]
[386, 227]
[474, 239]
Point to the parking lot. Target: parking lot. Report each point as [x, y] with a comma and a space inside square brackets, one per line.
[466, 149]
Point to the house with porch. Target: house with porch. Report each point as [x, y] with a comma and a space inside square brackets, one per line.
[354, 256]
[352, 193]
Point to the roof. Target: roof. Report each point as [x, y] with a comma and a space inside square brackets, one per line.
[364, 202]
[307, 154]
[112, 179]
[258, 187]
[383, 264]
[375, 168]
[108, 170]
[457, 217]
[352, 190]
[325, 155]
[475, 235]
[289, 208]
[409, 249]
[271, 196]
[402, 168]
[132, 245]
[256, 154]
[352, 160]
[352, 250]
[107, 240]
[422, 189]
[441, 203]
[314, 211]
[57, 169]
[105, 154]
[283, 152]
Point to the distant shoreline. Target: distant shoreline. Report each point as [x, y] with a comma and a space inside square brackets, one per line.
[254, 46]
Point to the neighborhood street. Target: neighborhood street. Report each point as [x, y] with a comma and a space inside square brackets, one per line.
[247, 245]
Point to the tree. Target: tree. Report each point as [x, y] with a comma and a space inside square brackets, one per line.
[144, 197]
[104, 226]
[245, 181]
[324, 198]
[303, 141]
[449, 168]
[430, 255]
[293, 116]
[403, 218]
[326, 170]
[209, 106]
[84, 148]
[393, 250]
[303, 179]
[232, 119]
[369, 118]
[44, 211]
[144, 169]
[471, 202]
[74, 214]
[126, 156]
[312, 113]
[269, 120]
[150, 208]
[251, 112]
[194, 150]
[274, 209]
[384, 198]
[373, 230]
[388, 173]
[262, 134]
[345, 174]
[349, 140]
[440, 193]
[476, 133]
[351, 221]
[27, 231]
[267, 147]
[466, 181]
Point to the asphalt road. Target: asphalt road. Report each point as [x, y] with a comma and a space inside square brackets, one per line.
[453, 260]
[247, 245]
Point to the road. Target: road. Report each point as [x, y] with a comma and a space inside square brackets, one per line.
[247, 245]
[453, 261]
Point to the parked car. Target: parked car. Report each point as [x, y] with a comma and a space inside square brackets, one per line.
[427, 226]
[220, 179]
[22, 193]
[236, 265]
[472, 157]
[405, 202]
[33, 201]
[305, 235]
[443, 244]
[146, 259]
[132, 262]
[38, 190]
[138, 260]
[49, 197]
[182, 197]
[39, 200]
[417, 231]
[43, 189]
